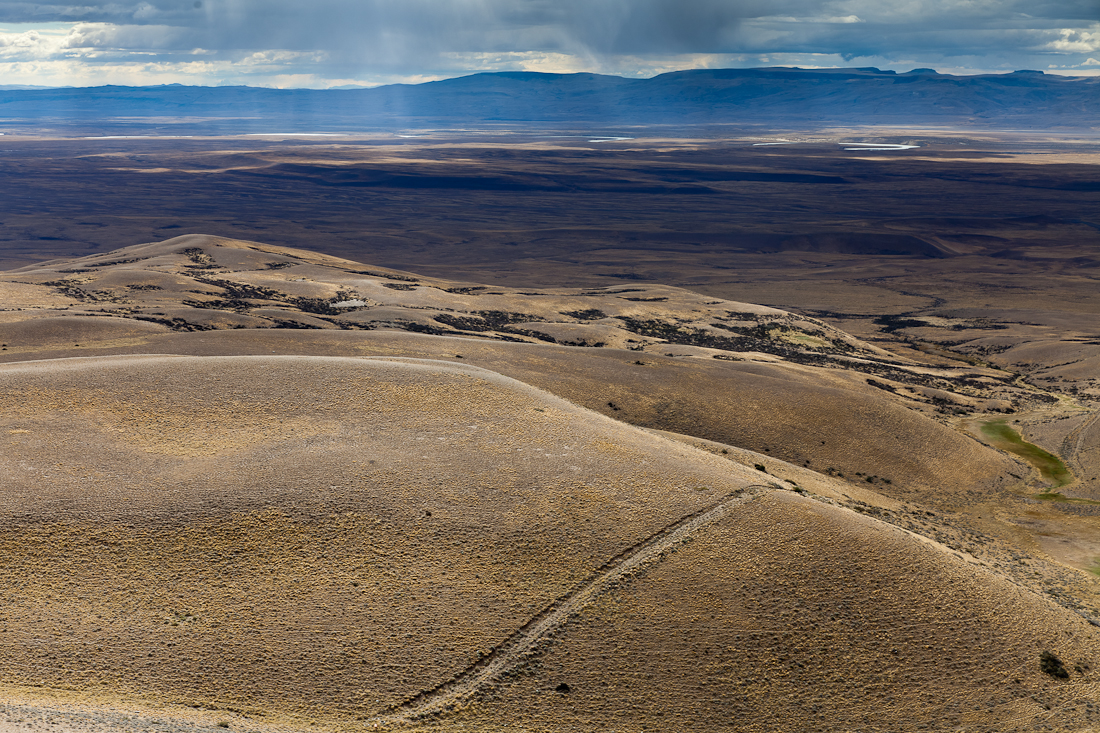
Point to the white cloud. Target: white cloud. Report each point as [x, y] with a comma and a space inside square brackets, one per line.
[551, 63]
[1091, 62]
[1076, 40]
[282, 58]
[30, 45]
[78, 72]
[822, 19]
[124, 38]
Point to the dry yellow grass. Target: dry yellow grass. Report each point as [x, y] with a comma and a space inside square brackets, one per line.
[302, 534]
[733, 372]
[791, 615]
[286, 528]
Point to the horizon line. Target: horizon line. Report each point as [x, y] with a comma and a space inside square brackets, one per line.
[366, 87]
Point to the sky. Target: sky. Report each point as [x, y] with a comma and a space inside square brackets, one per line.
[333, 43]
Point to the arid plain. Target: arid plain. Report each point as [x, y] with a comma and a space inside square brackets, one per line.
[497, 431]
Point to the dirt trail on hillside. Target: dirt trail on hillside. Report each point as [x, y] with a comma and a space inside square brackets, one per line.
[520, 646]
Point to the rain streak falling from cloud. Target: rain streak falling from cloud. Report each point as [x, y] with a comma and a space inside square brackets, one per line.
[332, 42]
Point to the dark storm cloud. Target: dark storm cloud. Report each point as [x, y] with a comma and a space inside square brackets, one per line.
[601, 26]
[429, 36]
[121, 13]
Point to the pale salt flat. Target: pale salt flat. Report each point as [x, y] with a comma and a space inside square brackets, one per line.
[879, 146]
[134, 137]
[296, 134]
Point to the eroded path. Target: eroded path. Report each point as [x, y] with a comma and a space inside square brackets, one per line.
[520, 645]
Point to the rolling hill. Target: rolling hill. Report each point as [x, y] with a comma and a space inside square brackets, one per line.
[266, 489]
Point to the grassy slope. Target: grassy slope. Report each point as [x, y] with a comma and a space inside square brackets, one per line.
[225, 540]
[823, 417]
[832, 623]
[257, 532]
[302, 537]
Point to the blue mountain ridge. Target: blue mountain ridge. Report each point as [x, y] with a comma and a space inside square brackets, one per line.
[703, 96]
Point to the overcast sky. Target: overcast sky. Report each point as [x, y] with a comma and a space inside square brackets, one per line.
[325, 43]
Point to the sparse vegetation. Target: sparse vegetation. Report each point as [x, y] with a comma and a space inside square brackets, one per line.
[485, 320]
[1050, 664]
[386, 598]
[589, 314]
[882, 385]
[200, 260]
[386, 276]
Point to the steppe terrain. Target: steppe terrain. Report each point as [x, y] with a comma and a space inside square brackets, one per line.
[501, 433]
[977, 241]
[345, 495]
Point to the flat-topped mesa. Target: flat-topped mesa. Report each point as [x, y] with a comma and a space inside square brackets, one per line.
[200, 282]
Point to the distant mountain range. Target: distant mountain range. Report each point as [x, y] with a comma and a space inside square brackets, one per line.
[768, 96]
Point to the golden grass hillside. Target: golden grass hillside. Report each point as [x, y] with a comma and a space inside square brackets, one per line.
[294, 532]
[793, 615]
[199, 282]
[829, 420]
[254, 487]
[319, 539]
[655, 356]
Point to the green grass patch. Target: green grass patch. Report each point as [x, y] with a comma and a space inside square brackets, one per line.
[1002, 435]
[1059, 496]
[803, 338]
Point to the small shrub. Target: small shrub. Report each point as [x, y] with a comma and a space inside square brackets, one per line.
[760, 467]
[590, 314]
[1049, 663]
